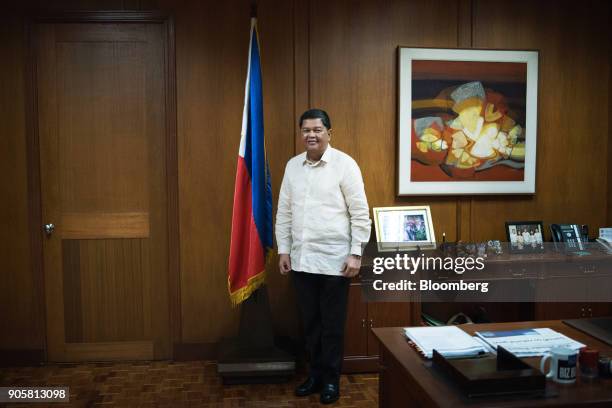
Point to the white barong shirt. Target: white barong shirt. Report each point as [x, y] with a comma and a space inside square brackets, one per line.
[323, 214]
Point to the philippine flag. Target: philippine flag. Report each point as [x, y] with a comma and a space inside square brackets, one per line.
[252, 216]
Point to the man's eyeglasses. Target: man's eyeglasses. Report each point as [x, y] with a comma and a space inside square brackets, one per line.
[316, 131]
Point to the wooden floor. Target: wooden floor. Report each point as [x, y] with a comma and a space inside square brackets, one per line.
[168, 384]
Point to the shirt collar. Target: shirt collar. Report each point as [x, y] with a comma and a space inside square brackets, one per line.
[327, 155]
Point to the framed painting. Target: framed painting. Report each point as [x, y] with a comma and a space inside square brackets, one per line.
[404, 228]
[467, 121]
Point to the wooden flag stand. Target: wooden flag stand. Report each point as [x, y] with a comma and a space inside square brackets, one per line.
[253, 356]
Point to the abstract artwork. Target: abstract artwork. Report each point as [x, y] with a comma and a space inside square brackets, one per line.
[467, 121]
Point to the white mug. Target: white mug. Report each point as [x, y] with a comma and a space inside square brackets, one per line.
[562, 365]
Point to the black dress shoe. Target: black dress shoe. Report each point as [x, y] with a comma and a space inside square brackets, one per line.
[330, 394]
[310, 386]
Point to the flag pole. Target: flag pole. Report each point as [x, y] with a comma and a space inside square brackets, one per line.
[253, 356]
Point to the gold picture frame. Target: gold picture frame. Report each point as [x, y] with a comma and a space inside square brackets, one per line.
[404, 228]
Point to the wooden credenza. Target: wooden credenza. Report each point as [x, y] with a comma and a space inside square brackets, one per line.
[571, 310]
[361, 349]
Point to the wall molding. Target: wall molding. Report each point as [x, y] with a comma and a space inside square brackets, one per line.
[195, 351]
[22, 357]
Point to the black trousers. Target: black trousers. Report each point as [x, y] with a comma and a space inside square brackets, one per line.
[322, 300]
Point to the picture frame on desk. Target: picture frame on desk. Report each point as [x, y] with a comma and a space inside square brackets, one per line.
[404, 228]
[467, 121]
[525, 236]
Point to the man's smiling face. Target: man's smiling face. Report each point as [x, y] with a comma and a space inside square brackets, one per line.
[315, 136]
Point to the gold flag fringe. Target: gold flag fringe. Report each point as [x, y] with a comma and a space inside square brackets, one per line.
[252, 285]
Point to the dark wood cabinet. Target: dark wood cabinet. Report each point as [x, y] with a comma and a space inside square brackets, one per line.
[549, 277]
[361, 349]
[571, 310]
[587, 284]
[355, 334]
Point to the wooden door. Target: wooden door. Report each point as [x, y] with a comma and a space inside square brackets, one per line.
[101, 127]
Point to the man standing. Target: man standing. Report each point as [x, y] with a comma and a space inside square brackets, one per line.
[321, 223]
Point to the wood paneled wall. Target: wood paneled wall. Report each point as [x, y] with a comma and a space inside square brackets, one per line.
[572, 111]
[609, 218]
[212, 47]
[341, 56]
[20, 324]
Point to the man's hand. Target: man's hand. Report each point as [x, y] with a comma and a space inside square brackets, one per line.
[351, 266]
[284, 264]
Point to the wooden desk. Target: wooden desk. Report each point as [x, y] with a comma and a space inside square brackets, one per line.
[407, 380]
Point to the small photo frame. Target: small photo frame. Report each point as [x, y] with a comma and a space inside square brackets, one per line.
[404, 228]
[525, 236]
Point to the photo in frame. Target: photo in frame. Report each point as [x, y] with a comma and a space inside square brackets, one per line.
[467, 121]
[525, 236]
[404, 228]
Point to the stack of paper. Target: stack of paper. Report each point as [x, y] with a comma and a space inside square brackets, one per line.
[528, 342]
[450, 341]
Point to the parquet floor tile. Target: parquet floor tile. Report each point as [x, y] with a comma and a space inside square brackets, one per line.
[161, 384]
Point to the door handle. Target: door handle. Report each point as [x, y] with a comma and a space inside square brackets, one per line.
[49, 228]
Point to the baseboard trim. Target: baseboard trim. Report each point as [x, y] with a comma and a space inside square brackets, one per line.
[360, 364]
[195, 351]
[21, 357]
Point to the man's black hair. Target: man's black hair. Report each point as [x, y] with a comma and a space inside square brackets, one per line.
[316, 114]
